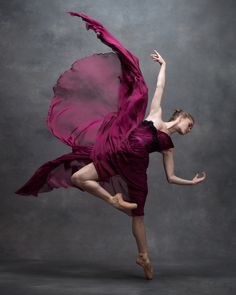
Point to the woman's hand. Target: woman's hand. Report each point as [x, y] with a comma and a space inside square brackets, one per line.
[157, 57]
[197, 179]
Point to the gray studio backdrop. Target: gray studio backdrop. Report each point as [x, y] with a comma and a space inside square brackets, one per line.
[197, 39]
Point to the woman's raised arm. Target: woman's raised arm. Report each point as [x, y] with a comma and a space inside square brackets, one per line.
[155, 107]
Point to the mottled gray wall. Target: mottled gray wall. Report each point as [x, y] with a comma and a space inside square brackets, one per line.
[197, 39]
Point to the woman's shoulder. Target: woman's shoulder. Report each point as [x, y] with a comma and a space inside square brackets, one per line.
[158, 124]
[161, 127]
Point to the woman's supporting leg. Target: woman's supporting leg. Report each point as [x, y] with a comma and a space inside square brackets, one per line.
[87, 177]
[139, 232]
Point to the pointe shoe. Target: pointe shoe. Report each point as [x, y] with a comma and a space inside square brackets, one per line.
[119, 203]
[144, 261]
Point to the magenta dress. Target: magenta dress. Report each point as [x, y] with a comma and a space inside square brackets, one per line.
[98, 109]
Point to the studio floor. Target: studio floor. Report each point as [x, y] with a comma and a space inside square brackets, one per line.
[104, 277]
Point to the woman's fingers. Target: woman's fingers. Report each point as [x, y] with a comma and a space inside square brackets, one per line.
[196, 176]
[200, 179]
[204, 174]
[154, 55]
[157, 57]
[155, 52]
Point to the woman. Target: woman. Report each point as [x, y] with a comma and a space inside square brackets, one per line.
[98, 109]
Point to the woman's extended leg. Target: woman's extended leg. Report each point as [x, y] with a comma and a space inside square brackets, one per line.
[86, 179]
[139, 232]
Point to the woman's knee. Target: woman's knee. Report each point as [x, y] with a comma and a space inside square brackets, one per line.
[88, 172]
[77, 178]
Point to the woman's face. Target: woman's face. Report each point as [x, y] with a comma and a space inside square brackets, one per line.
[185, 125]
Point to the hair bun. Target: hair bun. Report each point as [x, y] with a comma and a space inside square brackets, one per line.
[180, 112]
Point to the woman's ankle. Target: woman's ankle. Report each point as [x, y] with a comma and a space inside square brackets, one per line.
[143, 254]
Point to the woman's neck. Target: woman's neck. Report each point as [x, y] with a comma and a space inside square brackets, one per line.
[171, 126]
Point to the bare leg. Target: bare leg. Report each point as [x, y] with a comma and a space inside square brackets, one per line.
[138, 229]
[86, 179]
[139, 232]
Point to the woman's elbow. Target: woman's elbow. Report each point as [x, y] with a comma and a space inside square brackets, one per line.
[170, 179]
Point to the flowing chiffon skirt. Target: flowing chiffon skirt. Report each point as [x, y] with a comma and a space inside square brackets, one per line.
[98, 109]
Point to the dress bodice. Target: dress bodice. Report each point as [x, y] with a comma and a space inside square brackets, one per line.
[161, 140]
[148, 138]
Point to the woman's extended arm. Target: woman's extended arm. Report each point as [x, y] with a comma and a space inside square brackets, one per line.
[158, 94]
[168, 162]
